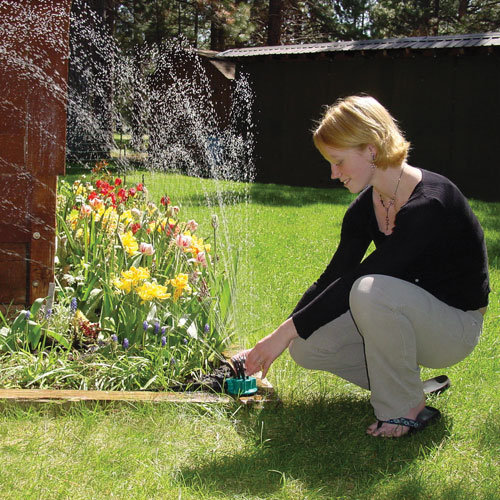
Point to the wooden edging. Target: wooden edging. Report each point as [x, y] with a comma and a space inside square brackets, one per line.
[48, 395]
[264, 395]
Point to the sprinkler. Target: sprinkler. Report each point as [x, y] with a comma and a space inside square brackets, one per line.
[241, 385]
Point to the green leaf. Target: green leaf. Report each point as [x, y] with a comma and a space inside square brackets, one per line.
[34, 333]
[59, 338]
[151, 314]
[20, 322]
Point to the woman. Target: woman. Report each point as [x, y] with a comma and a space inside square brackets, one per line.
[418, 299]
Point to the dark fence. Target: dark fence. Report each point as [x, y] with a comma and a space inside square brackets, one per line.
[447, 102]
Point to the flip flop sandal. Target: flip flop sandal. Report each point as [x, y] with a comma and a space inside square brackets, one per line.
[436, 385]
[424, 418]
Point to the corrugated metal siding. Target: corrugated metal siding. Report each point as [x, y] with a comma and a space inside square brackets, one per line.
[415, 43]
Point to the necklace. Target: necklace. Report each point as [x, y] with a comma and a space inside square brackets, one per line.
[391, 201]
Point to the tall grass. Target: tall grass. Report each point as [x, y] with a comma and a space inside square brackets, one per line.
[312, 445]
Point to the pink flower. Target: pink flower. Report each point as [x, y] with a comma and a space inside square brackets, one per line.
[201, 258]
[146, 248]
[192, 225]
[86, 210]
[183, 240]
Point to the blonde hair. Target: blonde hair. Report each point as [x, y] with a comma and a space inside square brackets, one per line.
[355, 122]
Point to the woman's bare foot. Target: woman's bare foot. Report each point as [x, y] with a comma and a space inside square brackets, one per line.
[392, 430]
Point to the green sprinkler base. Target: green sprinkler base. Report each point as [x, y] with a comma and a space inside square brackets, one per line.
[241, 386]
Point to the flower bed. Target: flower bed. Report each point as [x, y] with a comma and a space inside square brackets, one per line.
[139, 303]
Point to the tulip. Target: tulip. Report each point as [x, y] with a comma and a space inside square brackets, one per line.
[146, 248]
[86, 210]
[192, 225]
[201, 258]
[183, 240]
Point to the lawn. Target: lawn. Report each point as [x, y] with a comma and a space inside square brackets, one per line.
[312, 445]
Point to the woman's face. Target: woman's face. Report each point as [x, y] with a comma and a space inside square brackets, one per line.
[352, 166]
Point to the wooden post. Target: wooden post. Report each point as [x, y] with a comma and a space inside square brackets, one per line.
[32, 142]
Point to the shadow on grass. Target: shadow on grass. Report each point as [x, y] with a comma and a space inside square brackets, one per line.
[322, 444]
[271, 195]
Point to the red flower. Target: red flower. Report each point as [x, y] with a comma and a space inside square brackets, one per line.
[118, 181]
[135, 227]
[140, 187]
[122, 194]
[103, 187]
[165, 200]
[131, 192]
[92, 196]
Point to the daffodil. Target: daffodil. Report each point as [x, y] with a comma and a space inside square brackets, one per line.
[126, 217]
[149, 291]
[73, 218]
[110, 219]
[136, 274]
[131, 278]
[180, 284]
[123, 284]
[129, 243]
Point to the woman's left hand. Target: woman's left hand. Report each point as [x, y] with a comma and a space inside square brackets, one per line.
[268, 349]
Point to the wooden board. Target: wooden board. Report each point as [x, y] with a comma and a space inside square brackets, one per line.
[46, 395]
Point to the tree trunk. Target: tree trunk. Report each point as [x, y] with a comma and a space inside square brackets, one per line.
[275, 22]
[217, 41]
[462, 8]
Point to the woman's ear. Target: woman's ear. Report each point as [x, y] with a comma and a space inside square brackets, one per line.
[372, 150]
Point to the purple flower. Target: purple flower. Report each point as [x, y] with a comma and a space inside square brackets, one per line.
[163, 341]
[145, 325]
[48, 313]
[27, 314]
[207, 328]
[163, 330]
[125, 343]
[157, 327]
[173, 361]
[114, 338]
[74, 305]
[184, 340]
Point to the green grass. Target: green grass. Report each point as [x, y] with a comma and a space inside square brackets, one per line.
[311, 446]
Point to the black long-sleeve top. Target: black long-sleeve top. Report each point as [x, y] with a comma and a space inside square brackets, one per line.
[437, 243]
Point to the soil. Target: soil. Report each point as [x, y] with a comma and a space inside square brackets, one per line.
[213, 381]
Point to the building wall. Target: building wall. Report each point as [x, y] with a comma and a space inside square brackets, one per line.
[447, 104]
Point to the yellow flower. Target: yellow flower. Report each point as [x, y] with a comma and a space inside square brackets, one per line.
[136, 274]
[149, 291]
[73, 218]
[126, 217]
[197, 246]
[123, 284]
[129, 243]
[99, 212]
[131, 278]
[110, 219]
[180, 283]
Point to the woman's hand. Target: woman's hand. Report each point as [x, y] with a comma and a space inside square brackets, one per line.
[268, 349]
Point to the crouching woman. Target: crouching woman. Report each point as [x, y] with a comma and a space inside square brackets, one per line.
[417, 300]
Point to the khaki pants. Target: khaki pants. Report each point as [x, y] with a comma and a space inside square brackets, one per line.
[393, 326]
